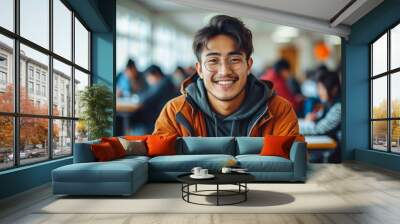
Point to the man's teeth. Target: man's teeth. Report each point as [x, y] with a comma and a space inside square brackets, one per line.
[225, 82]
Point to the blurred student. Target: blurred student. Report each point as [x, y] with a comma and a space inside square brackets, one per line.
[160, 90]
[279, 76]
[328, 122]
[130, 81]
[178, 76]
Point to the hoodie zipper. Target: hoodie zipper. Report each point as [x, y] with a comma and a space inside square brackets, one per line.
[256, 121]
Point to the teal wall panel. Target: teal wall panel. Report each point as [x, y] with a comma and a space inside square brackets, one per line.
[356, 85]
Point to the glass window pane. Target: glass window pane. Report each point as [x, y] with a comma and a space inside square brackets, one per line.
[81, 81]
[395, 94]
[379, 135]
[35, 21]
[81, 45]
[395, 47]
[62, 29]
[6, 74]
[379, 55]
[379, 98]
[395, 136]
[6, 142]
[81, 131]
[7, 14]
[33, 139]
[62, 89]
[62, 138]
[34, 96]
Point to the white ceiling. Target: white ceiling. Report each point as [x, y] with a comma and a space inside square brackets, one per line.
[313, 15]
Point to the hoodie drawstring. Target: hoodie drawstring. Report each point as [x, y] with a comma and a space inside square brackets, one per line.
[216, 126]
[232, 127]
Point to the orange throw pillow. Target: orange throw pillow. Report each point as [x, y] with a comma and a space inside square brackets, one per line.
[159, 145]
[103, 152]
[277, 146]
[116, 145]
[135, 138]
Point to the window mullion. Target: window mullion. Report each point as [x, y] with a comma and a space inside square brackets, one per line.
[73, 83]
[16, 83]
[50, 81]
[389, 106]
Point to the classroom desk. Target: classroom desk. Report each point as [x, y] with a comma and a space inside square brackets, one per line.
[321, 144]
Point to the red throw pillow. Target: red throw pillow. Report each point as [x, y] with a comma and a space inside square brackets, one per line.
[277, 146]
[159, 145]
[116, 145]
[135, 138]
[103, 152]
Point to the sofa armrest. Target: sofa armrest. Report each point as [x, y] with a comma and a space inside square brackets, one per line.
[298, 156]
[83, 152]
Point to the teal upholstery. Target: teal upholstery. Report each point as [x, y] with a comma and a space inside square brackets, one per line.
[184, 163]
[257, 163]
[206, 145]
[249, 145]
[83, 152]
[125, 176]
[118, 177]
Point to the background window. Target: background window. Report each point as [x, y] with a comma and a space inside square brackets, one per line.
[35, 21]
[7, 14]
[6, 73]
[62, 29]
[385, 97]
[39, 62]
[81, 45]
[49, 135]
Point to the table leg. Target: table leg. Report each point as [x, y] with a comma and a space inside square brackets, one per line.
[245, 191]
[217, 194]
[196, 187]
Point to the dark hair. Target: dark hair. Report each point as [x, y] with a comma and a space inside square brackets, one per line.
[131, 64]
[226, 25]
[153, 69]
[330, 80]
[281, 65]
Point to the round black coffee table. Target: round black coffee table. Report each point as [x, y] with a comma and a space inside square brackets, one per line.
[238, 179]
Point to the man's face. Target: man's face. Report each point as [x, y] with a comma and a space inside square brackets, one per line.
[224, 70]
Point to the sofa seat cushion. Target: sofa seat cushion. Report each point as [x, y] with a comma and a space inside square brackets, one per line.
[185, 163]
[257, 163]
[112, 171]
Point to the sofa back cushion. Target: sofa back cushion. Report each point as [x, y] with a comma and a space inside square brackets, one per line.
[83, 152]
[249, 145]
[206, 145]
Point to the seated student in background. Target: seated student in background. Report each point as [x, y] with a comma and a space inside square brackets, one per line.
[223, 98]
[327, 120]
[281, 77]
[160, 90]
[130, 81]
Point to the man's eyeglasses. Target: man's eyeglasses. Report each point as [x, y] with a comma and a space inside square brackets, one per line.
[234, 62]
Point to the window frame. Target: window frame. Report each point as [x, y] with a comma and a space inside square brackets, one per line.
[388, 74]
[16, 115]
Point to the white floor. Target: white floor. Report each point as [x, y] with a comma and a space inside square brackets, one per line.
[378, 189]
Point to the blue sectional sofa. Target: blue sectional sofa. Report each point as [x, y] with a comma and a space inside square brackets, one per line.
[125, 176]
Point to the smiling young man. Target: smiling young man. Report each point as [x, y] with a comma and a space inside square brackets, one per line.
[223, 98]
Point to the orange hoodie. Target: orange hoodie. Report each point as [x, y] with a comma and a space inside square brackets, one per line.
[180, 117]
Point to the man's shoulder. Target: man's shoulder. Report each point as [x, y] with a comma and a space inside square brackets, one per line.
[177, 103]
[278, 103]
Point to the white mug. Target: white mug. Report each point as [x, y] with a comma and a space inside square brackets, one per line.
[226, 170]
[196, 170]
[203, 172]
